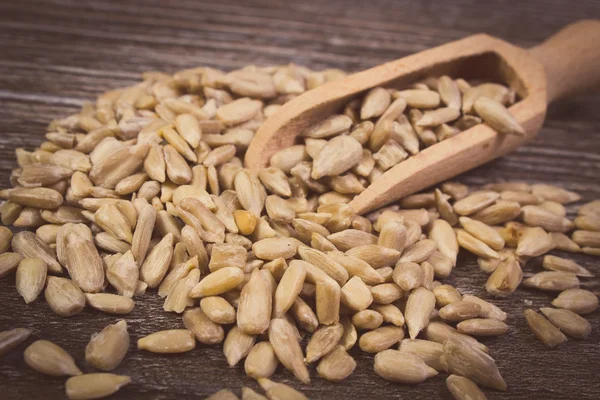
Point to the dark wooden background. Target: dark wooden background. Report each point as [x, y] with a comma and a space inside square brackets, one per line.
[56, 54]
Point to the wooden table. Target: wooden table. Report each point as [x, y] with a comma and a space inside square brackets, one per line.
[56, 54]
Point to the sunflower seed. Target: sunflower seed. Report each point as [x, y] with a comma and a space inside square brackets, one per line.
[502, 211]
[50, 359]
[287, 348]
[9, 262]
[12, 338]
[31, 278]
[94, 386]
[237, 345]
[470, 362]
[327, 296]
[356, 295]
[218, 282]
[497, 116]
[402, 367]
[169, 341]
[205, 330]
[323, 341]
[553, 193]
[380, 339]
[107, 348]
[224, 394]
[475, 202]
[547, 333]
[440, 332]
[463, 388]
[460, 311]
[110, 303]
[552, 281]
[63, 297]
[156, 264]
[288, 289]
[280, 391]
[474, 245]
[28, 245]
[582, 238]
[482, 327]
[579, 301]
[488, 310]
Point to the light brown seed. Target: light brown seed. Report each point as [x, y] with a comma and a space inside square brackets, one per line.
[63, 297]
[474, 245]
[380, 339]
[568, 322]
[168, 341]
[386, 293]
[31, 278]
[488, 310]
[349, 238]
[497, 116]
[107, 348]
[50, 359]
[552, 281]
[418, 252]
[463, 388]
[475, 202]
[376, 256]
[237, 345]
[582, 238]
[12, 338]
[555, 263]
[337, 365]
[445, 239]
[325, 263]
[419, 98]
[460, 310]
[110, 303]
[261, 361]
[29, 245]
[178, 297]
[84, 263]
[288, 289]
[328, 294]
[205, 330]
[227, 255]
[38, 197]
[254, 308]
[273, 248]
[304, 315]
[218, 310]
[579, 301]
[506, 278]
[470, 362]
[9, 263]
[553, 193]
[428, 351]
[482, 327]
[547, 333]
[501, 212]
[440, 332]
[549, 221]
[123, 275]
[445, 294]
[357, 267]
[251, 193]
[339, 155]
[367, 320]
[408, 275]
[5, 238]
[356, 294]
[374, 104]
[94, 386]
[156, 264]
[402, 367]
[238, 111]
[280, 391]
[483, 232]
[350, 335]
[218, 282]
[322, 341]
[419, 306]
[287, 348]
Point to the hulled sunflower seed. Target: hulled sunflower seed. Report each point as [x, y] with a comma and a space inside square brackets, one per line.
[568, 322]
[553, 193]
[474, 245]
[356, 295]
[12, 338]
[322, 341]
[408, 275]
[357, 267]
[497, 116]
[94, 386]
[304, 315]
[178, 297]
[254, 308]
[406, 368]
[50, 359]
[63, 296]
[547, 333]
[218, 282]
[380, 339]
[488, 310]
[218, 310]
[205, 330]
[475, 202]
[419, 306]
[552, 281]
[156, 264]
[327, 296]
[337, 365]
[463, 388]
[482, 327]
[582, 238]
[287, 348]
[110, 303]
[445, 294]
[9, 263]
[428, 351]
[288, 289]
[460, 311]
[169, 341]
[224, 394]
[440, 332]
[84, 263]
[445, 239]
[579, 301]
[237, 345]
[29, 245]
[470, 362]
[506, 278]
[107, 348]
[280, 391]
[31, 278]
[339, 155]
[261, 361]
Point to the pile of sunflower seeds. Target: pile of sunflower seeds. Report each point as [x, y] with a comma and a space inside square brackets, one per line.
[145, 189]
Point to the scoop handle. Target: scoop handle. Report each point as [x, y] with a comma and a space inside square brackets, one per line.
[571, 58]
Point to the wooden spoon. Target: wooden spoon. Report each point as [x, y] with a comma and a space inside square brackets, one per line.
[568, 63]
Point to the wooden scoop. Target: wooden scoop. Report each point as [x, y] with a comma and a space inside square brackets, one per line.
[567, 63]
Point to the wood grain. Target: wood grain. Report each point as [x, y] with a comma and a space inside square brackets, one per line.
[56, 54]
